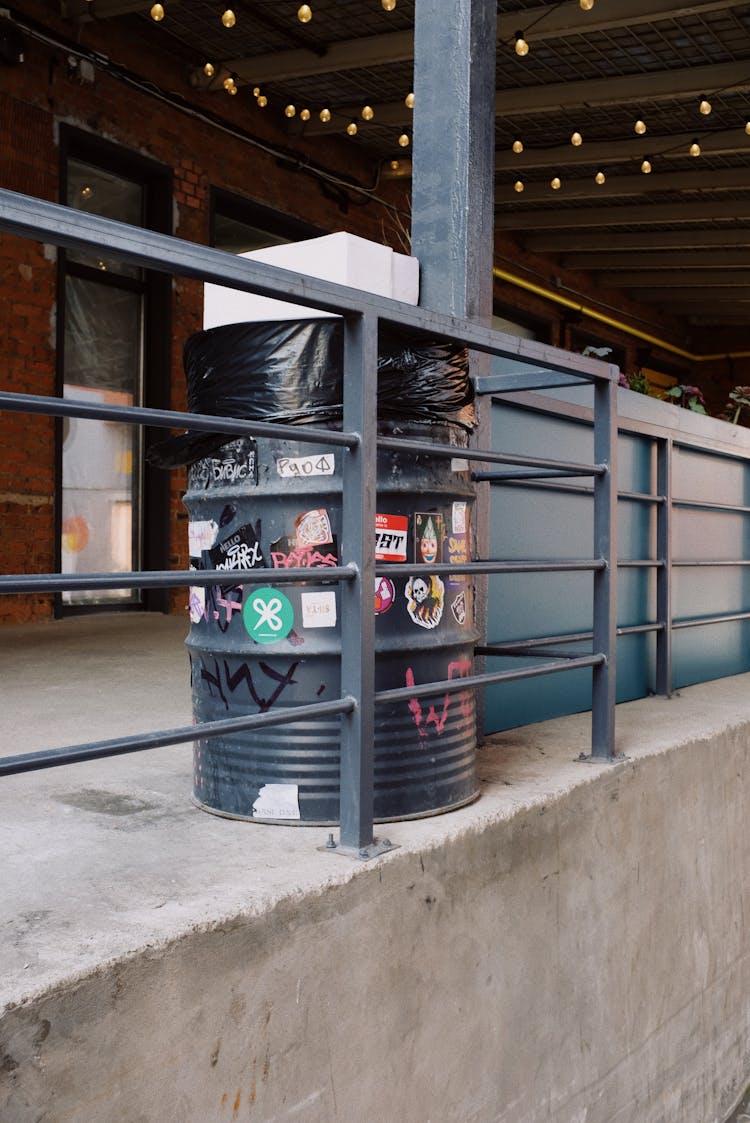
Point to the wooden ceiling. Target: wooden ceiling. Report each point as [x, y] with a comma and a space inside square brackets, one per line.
[677, 238]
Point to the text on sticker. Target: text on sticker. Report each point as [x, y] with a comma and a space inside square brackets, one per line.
[297, 466]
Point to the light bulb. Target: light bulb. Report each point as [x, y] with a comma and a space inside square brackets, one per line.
[157, 13]
[576, 140]
[229, 19]
[555, 183]
[289, 111]
[367, 113]
[695, 149]
[304, 114]
[395, 165]
[585, 5]
[747, 127]
[304, 13]
[233, 91]
[403, 140]
[256, 91]
[600, 178]
[87, 192]
[518, 186]
[351, 128]
[263, 101]
[228, 82]
[208, 70]
[325, 115]
[409, 101]
[704, 107]
[646, 167]
[387, 5]
[521, 47]
[518, 146]
[640, 127]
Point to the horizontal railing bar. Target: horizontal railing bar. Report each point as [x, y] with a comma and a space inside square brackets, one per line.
[451, 452]
[641, 563]
[711, 505]
[97, 750]
[519, 650]
[710, 563]
[529, 474]
[452, 686]
[497, 649]
[443, 569]
[65, 226]
[171, 419]
[726, 618]
[547, 483]
[168, 578]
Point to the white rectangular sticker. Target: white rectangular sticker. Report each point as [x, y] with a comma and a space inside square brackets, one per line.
[202, 536]
[319, 609]
[277, 801]
[295, 466]
[459, 518]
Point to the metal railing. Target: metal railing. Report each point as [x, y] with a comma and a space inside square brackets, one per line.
[362, 313]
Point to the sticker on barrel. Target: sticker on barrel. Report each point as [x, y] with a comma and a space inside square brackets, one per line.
[390, 537]
[268, 615]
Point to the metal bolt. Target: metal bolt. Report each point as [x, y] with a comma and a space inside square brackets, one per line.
[385, 842]
[330, 844]
[364, 853]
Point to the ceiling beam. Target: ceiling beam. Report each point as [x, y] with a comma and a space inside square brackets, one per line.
[679, 279]
[732, 237]
[624, 185]
[600, 154]
[398, 46]
[644, 214]
[657, 259]
[730, 302]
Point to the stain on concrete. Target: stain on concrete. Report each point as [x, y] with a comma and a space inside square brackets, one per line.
[215, 1053]
[104, 802]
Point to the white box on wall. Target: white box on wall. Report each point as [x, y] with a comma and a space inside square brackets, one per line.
[342, 258]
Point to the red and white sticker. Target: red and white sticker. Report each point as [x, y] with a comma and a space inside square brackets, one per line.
[390, 537]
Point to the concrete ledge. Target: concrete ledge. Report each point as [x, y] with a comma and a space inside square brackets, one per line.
[572, 948]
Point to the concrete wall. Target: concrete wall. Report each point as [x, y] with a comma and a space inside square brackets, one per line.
[571, 948]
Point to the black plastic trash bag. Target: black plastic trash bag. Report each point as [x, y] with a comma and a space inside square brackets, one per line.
[291, 372]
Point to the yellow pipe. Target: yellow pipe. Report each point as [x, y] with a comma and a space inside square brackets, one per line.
[619, 325]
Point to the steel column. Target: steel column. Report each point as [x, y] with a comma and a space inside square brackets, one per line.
[664, 573]
[605, 580]
[357, 616]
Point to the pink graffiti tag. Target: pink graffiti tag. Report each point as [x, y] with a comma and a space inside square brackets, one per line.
[461, 668]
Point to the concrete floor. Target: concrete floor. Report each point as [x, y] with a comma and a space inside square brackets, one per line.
[104, 858]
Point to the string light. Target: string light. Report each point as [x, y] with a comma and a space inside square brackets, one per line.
[747, 127]
[646, 167]
[229, 19]
[256, 91]
[518, 146]
[585, 5]
[304, 114]
[304, 13]
[351, 128]
[704, 107]
[325, 116]
[403, 140]
[87, 192]
[409, 101]
[367, 113]
[695, 149]
[394, 165]
[640, 127]
[263, 101]
[208, 70]
[521, 46]
[290, 111]
[518, 186]
[157, 13]
[555, 183]
[387, 5]
[228, 82]
[233, 91]
[600, 178]
[576, 140]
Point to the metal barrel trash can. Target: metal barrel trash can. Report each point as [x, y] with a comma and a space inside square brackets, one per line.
[274, 504]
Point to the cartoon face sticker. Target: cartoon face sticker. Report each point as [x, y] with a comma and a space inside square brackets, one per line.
[420, 590]
[429, 531]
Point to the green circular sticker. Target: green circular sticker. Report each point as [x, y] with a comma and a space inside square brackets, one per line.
[268, 615]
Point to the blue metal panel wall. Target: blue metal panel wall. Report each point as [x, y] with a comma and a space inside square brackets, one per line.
[556, 520]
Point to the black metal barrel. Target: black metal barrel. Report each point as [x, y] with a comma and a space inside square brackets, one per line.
[277, 504]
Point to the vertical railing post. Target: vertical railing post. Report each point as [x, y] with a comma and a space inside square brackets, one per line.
[605, 580]
[357, 615]
[664, 572]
